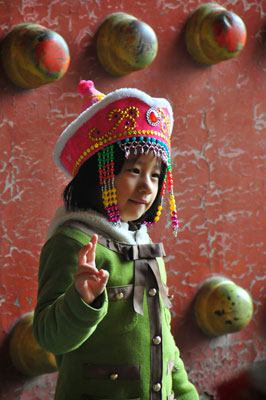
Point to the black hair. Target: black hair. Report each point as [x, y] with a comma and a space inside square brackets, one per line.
[84, 193]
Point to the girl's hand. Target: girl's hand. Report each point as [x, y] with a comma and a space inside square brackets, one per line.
[89, 282]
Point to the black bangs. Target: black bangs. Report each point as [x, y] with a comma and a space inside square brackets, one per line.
[83, 192]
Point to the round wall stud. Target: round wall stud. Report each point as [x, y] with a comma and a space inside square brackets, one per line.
[214, 34]
[33, 55]
[125, 44]
[222, 307]
[27, 356]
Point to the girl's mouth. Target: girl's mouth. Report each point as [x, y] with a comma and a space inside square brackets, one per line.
[144, 202]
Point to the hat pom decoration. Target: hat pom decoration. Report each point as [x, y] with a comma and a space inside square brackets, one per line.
[89, 93]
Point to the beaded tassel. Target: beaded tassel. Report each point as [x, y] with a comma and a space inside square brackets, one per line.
[159, 208]
[107, 177]
[172, 203]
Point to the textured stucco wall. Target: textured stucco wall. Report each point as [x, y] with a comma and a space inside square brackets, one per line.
[218, 163]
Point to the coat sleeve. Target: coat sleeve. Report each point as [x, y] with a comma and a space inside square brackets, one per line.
[182, 387]
[62, 320]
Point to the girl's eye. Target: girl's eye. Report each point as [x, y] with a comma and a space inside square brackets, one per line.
[156, 175]
[134, 170]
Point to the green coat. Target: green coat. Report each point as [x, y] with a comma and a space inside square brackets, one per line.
[121, 346]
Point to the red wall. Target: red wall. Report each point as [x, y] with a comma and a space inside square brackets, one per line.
[218, 162]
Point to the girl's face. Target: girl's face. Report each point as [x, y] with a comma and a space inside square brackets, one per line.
[137, 185]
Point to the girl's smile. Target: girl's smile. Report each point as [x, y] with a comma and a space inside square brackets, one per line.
[137, 185]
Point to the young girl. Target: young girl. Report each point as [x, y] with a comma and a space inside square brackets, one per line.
[103, 304]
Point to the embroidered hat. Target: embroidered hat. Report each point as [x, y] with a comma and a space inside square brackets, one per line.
[137, 122]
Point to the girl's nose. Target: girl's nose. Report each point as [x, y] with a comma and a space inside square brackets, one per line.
[145, 185]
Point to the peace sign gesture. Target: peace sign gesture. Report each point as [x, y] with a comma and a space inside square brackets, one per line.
[88, 280]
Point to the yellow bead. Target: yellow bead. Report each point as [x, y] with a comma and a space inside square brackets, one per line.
[156, 219]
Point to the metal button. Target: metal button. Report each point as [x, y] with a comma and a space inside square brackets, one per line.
[119, 296]
[113, 377]
[152, 292]
[171, 297]
[157, 340]
[156, 387]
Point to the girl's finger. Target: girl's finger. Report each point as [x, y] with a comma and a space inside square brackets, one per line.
[87, 269]
[104, 275]
[90, 254]
[83, 276]
[87, 252]
[82, 255]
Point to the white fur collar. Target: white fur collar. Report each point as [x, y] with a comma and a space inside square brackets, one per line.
[101, 225]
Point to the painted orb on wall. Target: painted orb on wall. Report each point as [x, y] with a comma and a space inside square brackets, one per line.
[26, 354]
[125, 44]
[222, 307]
[214, 34]
[33, 55]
